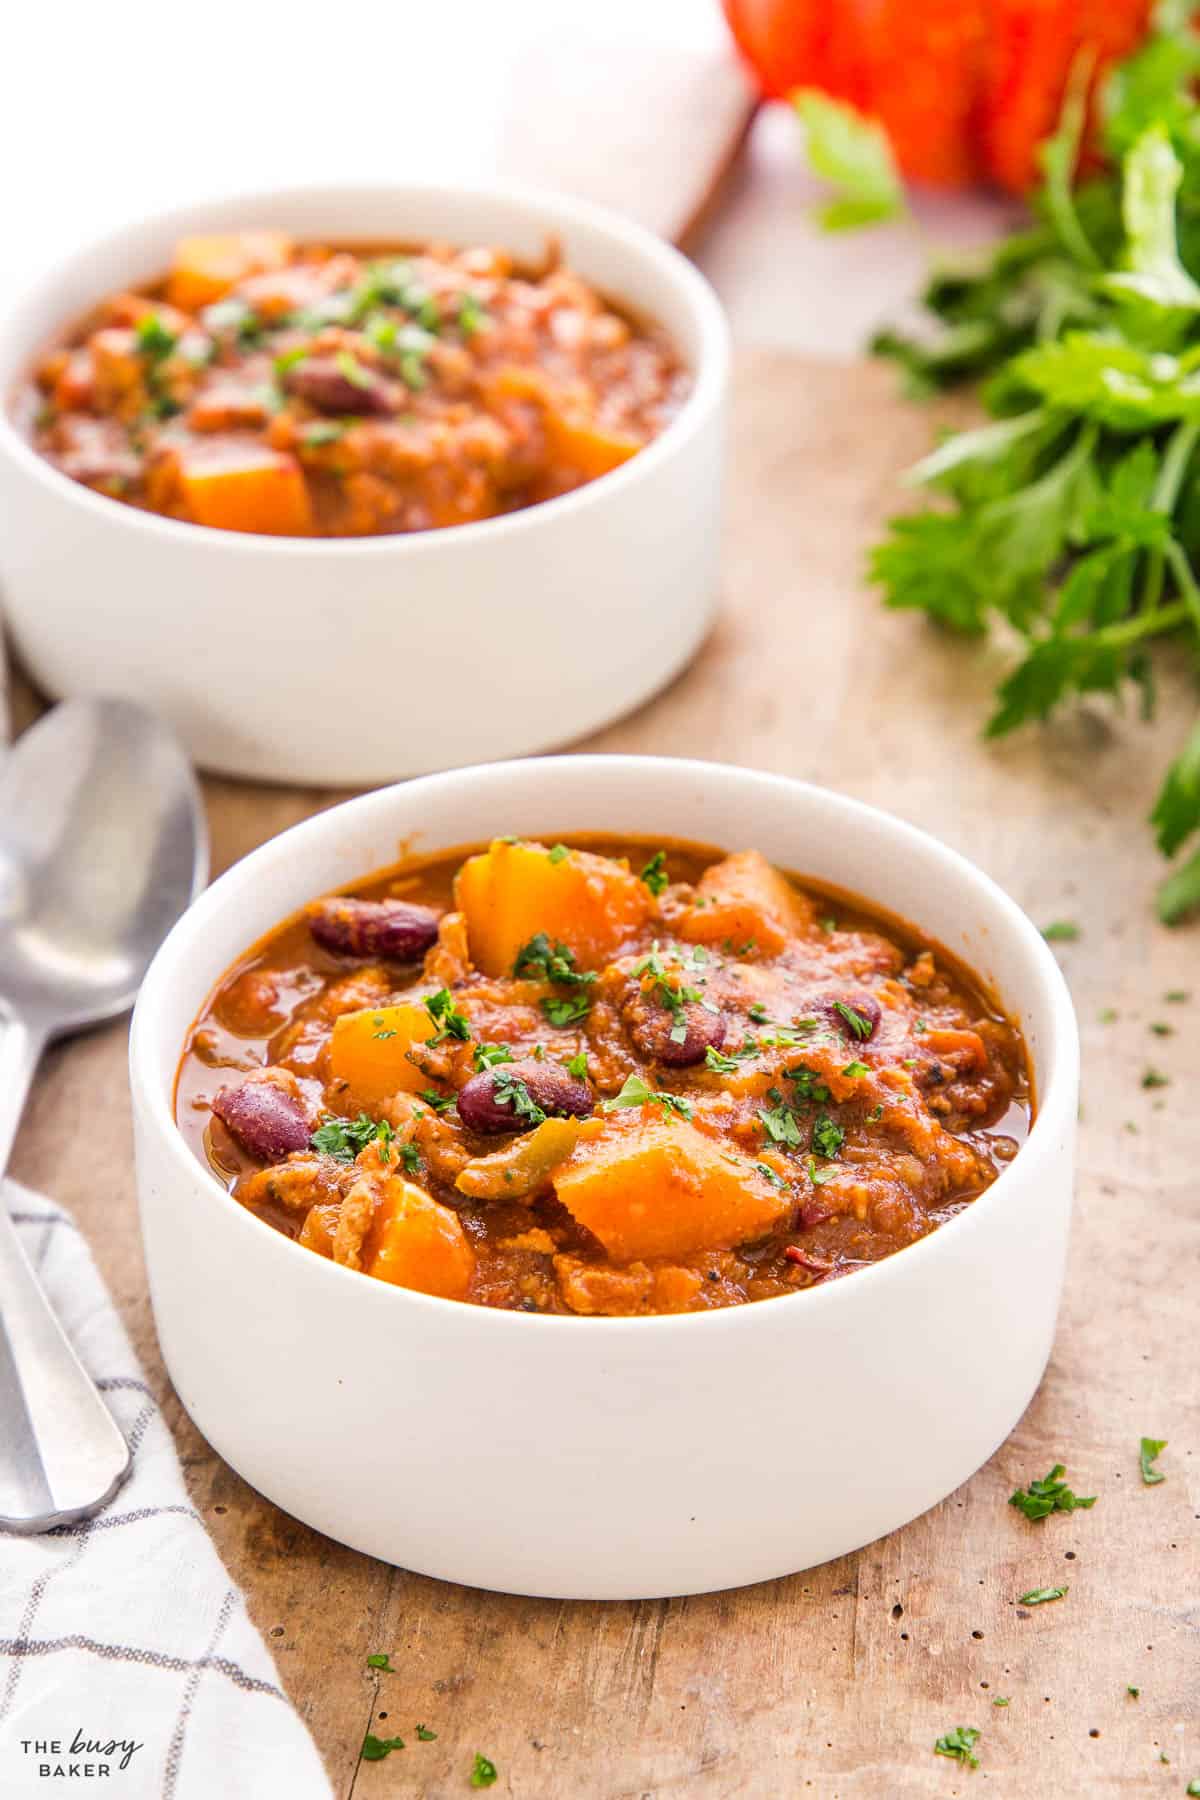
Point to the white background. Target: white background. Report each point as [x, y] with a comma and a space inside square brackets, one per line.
[113, 109]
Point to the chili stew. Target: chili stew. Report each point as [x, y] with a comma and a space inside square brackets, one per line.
[301, 390]
[608, 1078]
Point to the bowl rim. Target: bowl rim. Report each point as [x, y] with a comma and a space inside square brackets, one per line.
[710, 367]
[1057, 1085]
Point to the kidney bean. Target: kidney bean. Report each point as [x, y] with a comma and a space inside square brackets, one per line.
[486, 1103]
[395, 929]
[264, 1118]
[702, 1030]
[863, 1005]
[320, 381]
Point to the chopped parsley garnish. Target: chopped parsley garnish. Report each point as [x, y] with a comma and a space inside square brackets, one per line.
[772, 1175]
[875, 1114]
[959, 1743]
[856, 1069]
[1039, 1596]
[827, 1137]
[567, 1012]
[1176, 996]
[349, 366]
[289, 359]
[828, 922]
[578, 1066]
[1134, 1692]
[484, 1771]
[510, 1092]
[636, 1093]
[375, 1749]
[471, 314]
[486, 1056]
[1193, 1788]
[1151, 1448]
[1154, 1078]
[1001, 1700]
[439, 1102]
[381, 1660]
[1109, 1016]
[346, 1138]
[817, 1176]
[322, 431]
[720, 1065]
[555, 963]
[233, 316]
[781, 1126]
[426, 1736]
[1060, 931]
[558, 854]
[809, 1086]
[154, 339]
[1160, 1028]
[860, 1027]
[410, 1158]
[450, 1022]
[758, 1014]
[1050, 1494]
[655, 872]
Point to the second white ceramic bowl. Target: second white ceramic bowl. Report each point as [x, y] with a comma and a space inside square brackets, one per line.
[607, 1458]
[350, 662]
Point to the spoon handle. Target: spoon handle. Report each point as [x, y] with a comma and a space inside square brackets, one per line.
[62, 1456]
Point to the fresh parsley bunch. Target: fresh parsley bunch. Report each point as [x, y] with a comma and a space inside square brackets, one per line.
[1073, 516]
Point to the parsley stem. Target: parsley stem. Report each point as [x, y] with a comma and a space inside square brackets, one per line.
[1176, 458]
[1181, 568]
[1128, 631]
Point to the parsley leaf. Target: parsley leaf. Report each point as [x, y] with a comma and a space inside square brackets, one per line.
[635, 1092]
[781, 1126]
[347, 1138]
[853, 153]
[578, 1066]
[860, 1026]
[1061, 931]
[959, 1743]
[375, 1749]
[655, 873]
[486, 1056]
[381, 1660]
[827, 1136]
[555, 963]
[1150, 1450]
[426, 1736]
[511, 1093]
[719, 1064]
[483, 1772]
[1039, 1596]
[450, 1022]
[1050, 1494]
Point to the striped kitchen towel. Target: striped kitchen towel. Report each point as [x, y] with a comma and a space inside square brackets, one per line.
[126, 1654]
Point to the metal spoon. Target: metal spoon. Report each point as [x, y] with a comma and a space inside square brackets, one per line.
[102, 846]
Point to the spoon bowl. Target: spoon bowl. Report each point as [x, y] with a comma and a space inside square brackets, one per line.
[102, 846]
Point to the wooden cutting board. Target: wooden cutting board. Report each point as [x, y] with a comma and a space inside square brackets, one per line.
[835, 1682]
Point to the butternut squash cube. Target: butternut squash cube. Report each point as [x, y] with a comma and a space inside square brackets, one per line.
[586, 446]
[416, 1242]
[238, 485]
[204, 268]
[744, 898]
[369, 1051]
[649, 1184]
[511, 892]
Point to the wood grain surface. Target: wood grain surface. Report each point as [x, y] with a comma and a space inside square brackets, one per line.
[837, 1681]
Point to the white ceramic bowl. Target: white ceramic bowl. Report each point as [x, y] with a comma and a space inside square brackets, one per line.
[355, 661]
[607, 1458]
